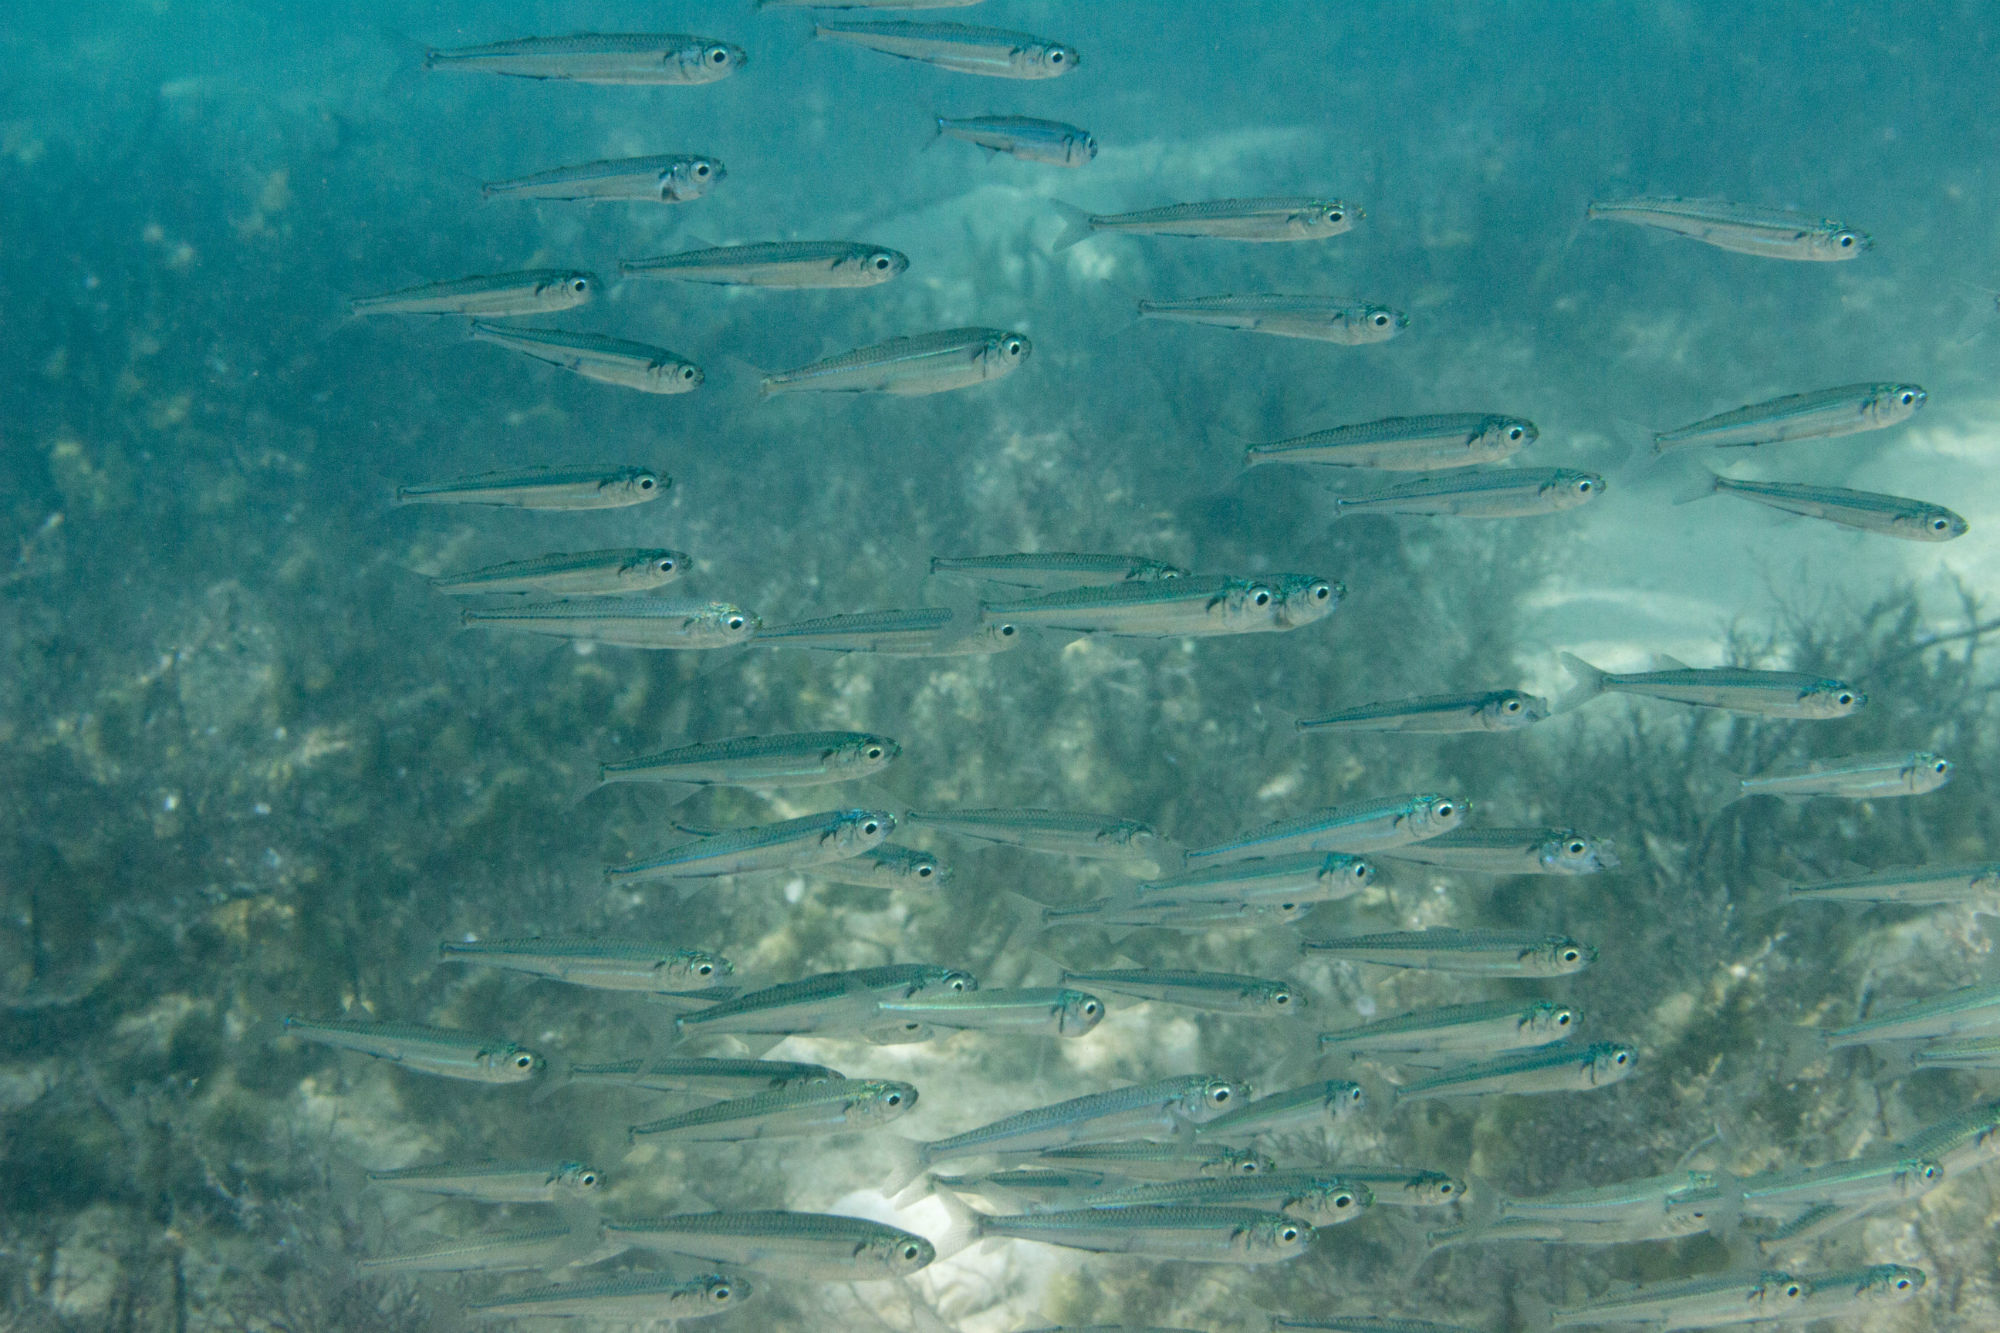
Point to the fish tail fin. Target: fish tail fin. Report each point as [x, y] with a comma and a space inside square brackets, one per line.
[1590, 682]
[1700, 488]
[965, 1227]
[937, 133]
[1076, 225]
[909, 1159]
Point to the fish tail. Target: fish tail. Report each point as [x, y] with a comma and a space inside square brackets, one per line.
[1707, 484]
[1076, 225]
[965, 1228]
[1590, 682]
[906, 1182]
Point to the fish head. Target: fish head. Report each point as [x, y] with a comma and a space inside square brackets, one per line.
[1431, 814]
[1930, 523]
[1607, 1062]
[697, 965]
[636, 484]
[1559, 956]
[1924, 771]
[1343, 1099]
[1304, 598]
[1208, 1098]
[1282, 998]
[1830, 698]
[912, 1033]
[1342, 876]
[1278, 1236]
[1047, 60]
[1077, 1012]
[1776, 1292]
[1547, 1021]
[1375, 323]
[1003, 353]
[1329, 1202]
[1887, 1283]
[1917, 1175]
[572, 287]
[1567, 488]
[1834, 241]
[857, 756]
[578, 1179]
[706, 62]
[668, 375]
[996, 636]
[1888, 404]
[1325, 217]
[956, 980]
[898, 1254]
[924, 868]
[857, 831]
[708, 1295]
[1238, 1162]
[720, 624]
[871, 264]
[1567, 852]
[651, 568]
[1510, 710]
[1500, 438]
[1432, 1189]
[509, 1063]
[1079, 149]
[689, 178]
[877, 1103]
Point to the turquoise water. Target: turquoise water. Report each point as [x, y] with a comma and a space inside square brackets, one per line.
[258, 768]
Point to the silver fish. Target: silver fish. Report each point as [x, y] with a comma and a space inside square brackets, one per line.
[1051, 1012]
[1196, 606]
[1969, 1053]
[1062, 832]
[1656, 1221]
[498, 1182]
[1154, 912]
[544, 488]
[993, 52]
[887, 866]
[1405, 444]
[821, 1247]
[1727, 1298]
[649, 1299]
[1604, 1203]
[636, 622]
[797, 759]
[1482, 493]
[1821, 414]
[1884, 515]
[927, 631]
[1322, 1105]
[1356, 826]
[1773, 233]
[720, 1080]
[1056, 570]
[1486, 1026]
[1402, 1186]
[1274, 218]
[830, 998]
[1960, 1142]
[578, 574]
[1170, 1232]
[1320, 1197]
[1850, 1291]
[1736, 689]
[1967, 1009]
[493, 1252]
[1512, 851]
[1495, 710]
[1876, 1176]
[790, 844]
[1309, 877]
[1487, 953]
[628, 365]
[591, 57]
[605, 964]
[1548, 1069]
[780, 265]
[834, 1107]
[1144, 1160]
[667, 179]
[920, 364]
[1158, 1108]
[1210, 992]
[1856, 777]
[1033, 1186]
[427, 1050]
[539, 291]
[1319, 318]
[1024, 137]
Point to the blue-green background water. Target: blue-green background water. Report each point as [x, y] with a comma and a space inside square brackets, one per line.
[254, 766]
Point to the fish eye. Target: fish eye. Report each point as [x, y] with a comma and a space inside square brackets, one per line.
[1906, 398]
[1577, 849]
[1584, 487]
[1562, 1018]
[1321, 592]
[666, 565]
[882, 263]
[1361, 870]
[873, 752]
[1941, 766]
[1846, 240]
[1006, 631]
[735, 622]
[1219, 1096]
[1793, 1289]
[1570, 955]
[1012, 346]
[524, 1061]
[1939, 525]
[701, 169]
[1620, 1058]
[718, 55]
[1354, 1095]
[1443, 810]
[647, 483]
[893, 1099]
[1260, 598]
[1445, 1187]
[588, 1179]
[1056, 56]
[1288, 907]
[1343, 1200]
[1281, 998]
[579, 285]
[1512, 706]
[1248, 1168]
[1090, 1007]
[1513, 432]
[870, 826]
[720, 1294]
[1335, 215]
[1288, 1235]
[1902, 1284]
[1379, 320]
[1843, 698]
[911, 1251]
[689, 372]
[924, 872]
[704, 969]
